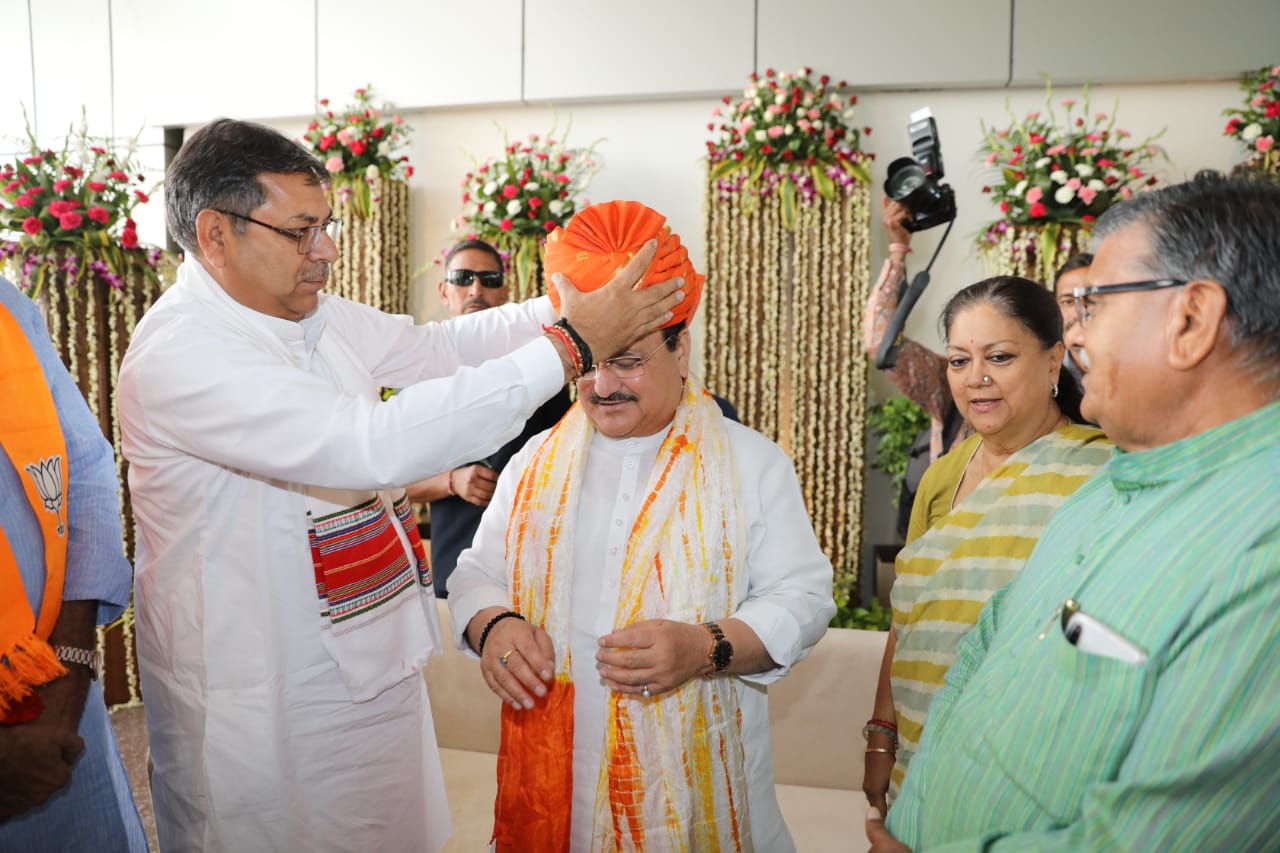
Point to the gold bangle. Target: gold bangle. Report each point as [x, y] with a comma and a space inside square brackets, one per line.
[880, 749]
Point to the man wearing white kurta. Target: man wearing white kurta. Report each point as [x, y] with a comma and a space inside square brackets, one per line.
[284, 604]
[646, 457]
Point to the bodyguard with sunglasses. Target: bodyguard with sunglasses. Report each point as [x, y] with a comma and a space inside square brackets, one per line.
[473, 281]
[284, 603]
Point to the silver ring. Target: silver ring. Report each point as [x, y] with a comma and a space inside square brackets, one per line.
[645, 692]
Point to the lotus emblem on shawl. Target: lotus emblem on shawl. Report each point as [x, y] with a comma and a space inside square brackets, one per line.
[48, 479]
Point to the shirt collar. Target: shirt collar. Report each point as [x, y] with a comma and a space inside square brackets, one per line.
[1198, 454]
[305, 332]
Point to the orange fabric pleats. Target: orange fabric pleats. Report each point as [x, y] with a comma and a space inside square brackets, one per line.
[535, 775]
[602, 238]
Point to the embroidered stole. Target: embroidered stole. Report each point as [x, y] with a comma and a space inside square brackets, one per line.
[32, 437]
[672, 772]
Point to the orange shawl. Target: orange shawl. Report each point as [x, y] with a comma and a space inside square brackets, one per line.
[33, 440]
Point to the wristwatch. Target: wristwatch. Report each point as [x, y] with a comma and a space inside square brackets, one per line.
[721, 651]
[91, 658]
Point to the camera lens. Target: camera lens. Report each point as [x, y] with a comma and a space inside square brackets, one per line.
[905, 177]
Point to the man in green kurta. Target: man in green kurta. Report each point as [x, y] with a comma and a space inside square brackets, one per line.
[1121, 693]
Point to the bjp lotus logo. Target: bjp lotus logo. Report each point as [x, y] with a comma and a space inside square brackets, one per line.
[48, 478]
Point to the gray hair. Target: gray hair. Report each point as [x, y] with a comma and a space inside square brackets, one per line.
[218, 168]
[1224, 229]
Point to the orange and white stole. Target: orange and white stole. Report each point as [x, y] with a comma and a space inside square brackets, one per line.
[32, 438]
[672, 772]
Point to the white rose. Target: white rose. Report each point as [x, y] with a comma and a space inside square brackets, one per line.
[531, 187]
[1084, 170]
[761, 136]
[1043, 161]
[384, 148]
[556, 206]
[489, 188]
[490, 206]
[1251, 132]
[750, 93]
[1019, 189]
[1064, 195]
[758, 102]
[1058, 176]
[371, 172]
[788, 130]
[818, 124]
[1097, 185]
[513, 207]
[780, 98]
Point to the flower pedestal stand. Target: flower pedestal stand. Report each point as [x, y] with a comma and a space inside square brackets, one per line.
[373, 262]
[783, 343]
[1030, 251]
[91, 326]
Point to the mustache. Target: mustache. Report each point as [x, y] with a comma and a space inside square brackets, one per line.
[618, 396]
[318, 271]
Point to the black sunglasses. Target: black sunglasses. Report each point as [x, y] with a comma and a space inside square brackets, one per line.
[463, 278]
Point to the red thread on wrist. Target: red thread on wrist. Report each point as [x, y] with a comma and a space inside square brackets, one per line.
[449, 479]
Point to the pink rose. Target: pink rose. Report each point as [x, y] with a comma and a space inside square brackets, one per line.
[1087, 195]
[344, 136]
[333, 165]
[775, 132]
[1034, 195]
[510, 191]
[1074, 183]
[506, 225]
[1264, 143]
[1055, 150]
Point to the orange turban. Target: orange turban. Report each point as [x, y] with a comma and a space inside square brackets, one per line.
[602, 238]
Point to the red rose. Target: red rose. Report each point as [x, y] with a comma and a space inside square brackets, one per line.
[12, 186]
[96, 187]
[766, 149]
[510, 191]
[1086, 218]
[1037, 211]
[548, 226]
[408, 171]
[32, 160]
[31, 225]
[377, 132]
[129, 238]
[119, 176]
[1004, 207]
[535, 203]
[358, 147]
[59, 207]
[562, 179]
[1273, 109]
[24, 201]
[1232, 126]
[142, 197]
[61, 186]
[70, 220]
[98, 214]
[73, 171]
[326, 142]
[506, 225]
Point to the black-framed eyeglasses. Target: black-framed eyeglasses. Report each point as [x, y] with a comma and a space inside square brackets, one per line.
[1085, 296]
[622, 366]
[307, 237]
[491, 279]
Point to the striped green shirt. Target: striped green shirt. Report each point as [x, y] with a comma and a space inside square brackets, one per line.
[1035, 744]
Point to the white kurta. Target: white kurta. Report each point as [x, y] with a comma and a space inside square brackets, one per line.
[787, 600]
[234, 424]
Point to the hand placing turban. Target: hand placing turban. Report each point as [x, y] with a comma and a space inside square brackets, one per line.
[599, 241]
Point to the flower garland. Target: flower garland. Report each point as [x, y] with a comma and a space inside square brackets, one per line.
[373, 266]
[360, 148]
[1053, 181]
[513, 201]
[788, 135]
[1257, 124]
[783, 343]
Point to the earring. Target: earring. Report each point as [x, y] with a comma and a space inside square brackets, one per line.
[1053, 389]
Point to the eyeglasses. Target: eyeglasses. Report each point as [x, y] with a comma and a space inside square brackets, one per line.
[307, 237]
[1085, 296]
[622, 366]
[491, 279]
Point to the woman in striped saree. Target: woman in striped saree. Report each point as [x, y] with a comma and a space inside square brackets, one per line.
[982, 506]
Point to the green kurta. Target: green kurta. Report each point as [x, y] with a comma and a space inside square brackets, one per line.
[1035, 744]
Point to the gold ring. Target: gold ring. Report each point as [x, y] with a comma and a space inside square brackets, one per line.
[503, 660]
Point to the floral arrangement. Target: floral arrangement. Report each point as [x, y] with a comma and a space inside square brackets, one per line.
[791, 134]
[360, 147]
[71, 210]
[1054, 179]
[1257, 125]
[514, 200]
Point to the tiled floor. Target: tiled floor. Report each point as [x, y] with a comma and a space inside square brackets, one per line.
[131, 734]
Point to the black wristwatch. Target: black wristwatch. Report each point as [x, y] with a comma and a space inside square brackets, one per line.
[721, 651]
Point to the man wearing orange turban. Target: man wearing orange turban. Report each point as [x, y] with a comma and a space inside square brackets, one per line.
[643, 570]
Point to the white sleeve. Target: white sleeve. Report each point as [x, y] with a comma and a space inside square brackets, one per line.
[218, 398]
[788, 603]
[480, 579]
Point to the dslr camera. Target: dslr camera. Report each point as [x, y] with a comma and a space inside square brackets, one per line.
[916, 181]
